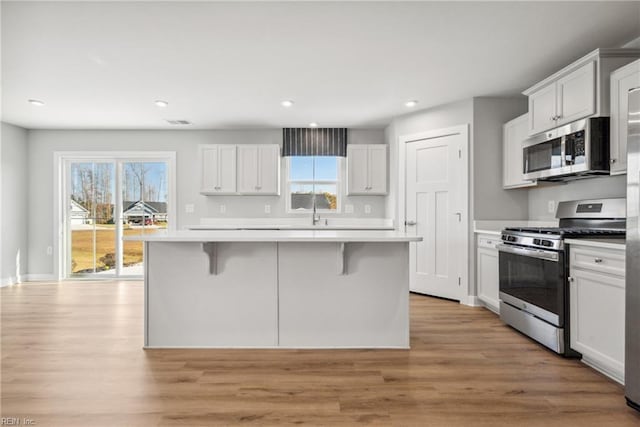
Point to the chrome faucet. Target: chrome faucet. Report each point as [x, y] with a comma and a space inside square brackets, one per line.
[315, 219]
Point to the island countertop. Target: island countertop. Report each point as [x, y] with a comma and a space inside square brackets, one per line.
[343, 236]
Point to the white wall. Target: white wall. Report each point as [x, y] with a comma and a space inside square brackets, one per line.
[43, 143]
[13, 204]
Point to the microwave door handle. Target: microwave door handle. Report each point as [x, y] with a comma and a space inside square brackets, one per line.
[533, 253]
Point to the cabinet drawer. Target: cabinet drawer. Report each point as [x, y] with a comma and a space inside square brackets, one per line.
[489, 242]
[600, 260]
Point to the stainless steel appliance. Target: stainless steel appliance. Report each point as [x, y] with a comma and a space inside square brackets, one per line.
[534, 266]
[632, 341]
[576, 150]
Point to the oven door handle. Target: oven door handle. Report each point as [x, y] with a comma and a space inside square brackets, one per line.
[533, 253]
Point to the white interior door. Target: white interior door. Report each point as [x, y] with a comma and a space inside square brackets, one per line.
[433, 171]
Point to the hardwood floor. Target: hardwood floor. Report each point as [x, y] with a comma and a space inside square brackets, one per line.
[72, 355]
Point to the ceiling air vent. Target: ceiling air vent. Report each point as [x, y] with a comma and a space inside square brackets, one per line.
[179, 122]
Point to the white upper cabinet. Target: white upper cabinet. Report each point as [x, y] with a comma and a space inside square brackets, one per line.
[542, 110]
[514, 133]
[576, 94]
[367, 169]
[259, 169]
[622, 80]
[569, 98]
[218, 169]
[577, 91]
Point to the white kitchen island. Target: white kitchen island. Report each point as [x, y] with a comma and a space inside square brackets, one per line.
[268, 289]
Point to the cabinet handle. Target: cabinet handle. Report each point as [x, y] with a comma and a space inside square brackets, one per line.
[571, 279]
[258, 187]
[612, 161]
[216, 187]
[410, 223]
[598, 260]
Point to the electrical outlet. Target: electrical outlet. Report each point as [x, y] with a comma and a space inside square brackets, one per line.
[367, 209]
[552, 206]
[189, 208]
[223, 209]
[348, 208]
[267, 209]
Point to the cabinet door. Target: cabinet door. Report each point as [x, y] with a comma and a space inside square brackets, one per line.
[248, 169]
[488, 278]
[209, 169]
[597, 307]
[269, 169]
[377, 169]
[514, 134]
[357, 169]
[187, 306]
[622, 80]
[576, 94]
[227, 169]
[542, 109]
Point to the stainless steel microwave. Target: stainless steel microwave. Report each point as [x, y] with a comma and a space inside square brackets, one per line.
[575, 150]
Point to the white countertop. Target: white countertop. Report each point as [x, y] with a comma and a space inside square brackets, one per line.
[277, 236]
[619, 244]
[319, 227]
[303, 222]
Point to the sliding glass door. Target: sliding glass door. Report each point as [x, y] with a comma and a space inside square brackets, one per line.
[106, 199]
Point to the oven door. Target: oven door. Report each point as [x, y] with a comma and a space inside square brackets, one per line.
[533, 280]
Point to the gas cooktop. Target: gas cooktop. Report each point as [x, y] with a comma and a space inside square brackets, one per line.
[570, 231]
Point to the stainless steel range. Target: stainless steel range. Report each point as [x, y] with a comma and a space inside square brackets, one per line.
[534, 267]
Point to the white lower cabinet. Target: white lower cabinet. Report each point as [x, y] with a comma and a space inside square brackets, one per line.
[488, 272]
[597, 308]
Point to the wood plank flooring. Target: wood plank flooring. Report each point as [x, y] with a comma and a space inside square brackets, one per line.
[72, 355]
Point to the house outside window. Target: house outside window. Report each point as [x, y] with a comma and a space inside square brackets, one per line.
[314, 179]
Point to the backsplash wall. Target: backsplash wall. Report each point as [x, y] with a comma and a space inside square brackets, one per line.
[589, 188]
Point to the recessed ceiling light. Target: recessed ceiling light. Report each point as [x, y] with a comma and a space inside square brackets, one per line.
[411, 103]
[287, 103]
[160, 103]
[313, 125]
[36, 102]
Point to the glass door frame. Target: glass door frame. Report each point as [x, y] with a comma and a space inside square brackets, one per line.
[62, 191]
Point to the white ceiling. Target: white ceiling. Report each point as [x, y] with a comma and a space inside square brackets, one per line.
[228, 65]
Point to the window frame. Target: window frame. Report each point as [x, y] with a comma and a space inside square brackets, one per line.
[339, 183]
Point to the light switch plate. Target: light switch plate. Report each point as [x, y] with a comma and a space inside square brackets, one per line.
[367, 209]
[348, 208]
[189, 208]
[552, 206]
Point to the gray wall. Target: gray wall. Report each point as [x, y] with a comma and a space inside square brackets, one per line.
[490, 201]
[13, 203]
[590, 188]
[43, 143]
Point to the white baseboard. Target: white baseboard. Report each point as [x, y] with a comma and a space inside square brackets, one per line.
[472, 301]
[8, 281]
[40, 278]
